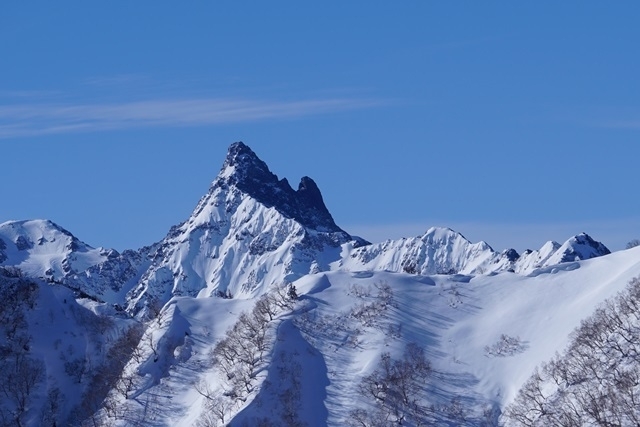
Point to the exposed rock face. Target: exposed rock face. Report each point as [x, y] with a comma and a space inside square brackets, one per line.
[244, 171]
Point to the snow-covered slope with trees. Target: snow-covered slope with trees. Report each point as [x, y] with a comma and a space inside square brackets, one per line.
[481, 336]
[260, 310]
[61, 354]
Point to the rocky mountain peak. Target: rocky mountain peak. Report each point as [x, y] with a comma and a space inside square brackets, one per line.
[581, 246]
[244, 170]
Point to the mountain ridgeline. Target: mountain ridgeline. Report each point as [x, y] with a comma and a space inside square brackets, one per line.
[260, 260]
[249, 232]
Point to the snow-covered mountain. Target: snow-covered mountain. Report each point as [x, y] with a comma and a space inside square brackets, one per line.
[438, 251]
[445, 251]
[43, 249]
[576, 248]
[249, 232]
[205, 329]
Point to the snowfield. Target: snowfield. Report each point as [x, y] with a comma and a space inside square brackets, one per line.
[458, 320]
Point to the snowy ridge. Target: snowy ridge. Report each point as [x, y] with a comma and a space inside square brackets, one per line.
[43, 249]
[438, 251]
[530, 260]
[249, 232]
[445, 251]
[579, 247]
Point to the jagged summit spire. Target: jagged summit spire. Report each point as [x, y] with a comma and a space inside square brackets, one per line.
[244, 170]
[242, 161]
[239, 147]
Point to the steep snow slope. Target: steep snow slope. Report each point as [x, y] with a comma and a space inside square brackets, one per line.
[249, 232]
[577, 248]
[457, 317]
[483, 335]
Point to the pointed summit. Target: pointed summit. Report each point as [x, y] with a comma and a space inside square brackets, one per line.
[309, 194]
[242, 167]
[239, 151]
[581, 246]
[249, 232]
[244, 170]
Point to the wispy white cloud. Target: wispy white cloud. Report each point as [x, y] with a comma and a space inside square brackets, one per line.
[22, 120]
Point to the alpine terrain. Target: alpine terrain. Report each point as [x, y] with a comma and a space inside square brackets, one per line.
[259, 310]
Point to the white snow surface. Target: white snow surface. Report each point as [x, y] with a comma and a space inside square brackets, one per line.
[438, 251]
[454, 317]
[41, 248]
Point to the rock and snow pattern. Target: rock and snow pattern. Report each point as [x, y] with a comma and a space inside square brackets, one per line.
[249, 232]
[42, 249]
[260, 310]
[438, 251]
[444, 251]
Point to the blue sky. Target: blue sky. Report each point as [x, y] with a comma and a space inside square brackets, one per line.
[511, 122]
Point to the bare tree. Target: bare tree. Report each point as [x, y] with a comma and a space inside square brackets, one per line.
[20, 375]
[239, 355]
[396, 388]
[266, 307]
[217, 407]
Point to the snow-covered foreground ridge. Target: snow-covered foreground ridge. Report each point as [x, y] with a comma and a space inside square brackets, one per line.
[481, 320]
